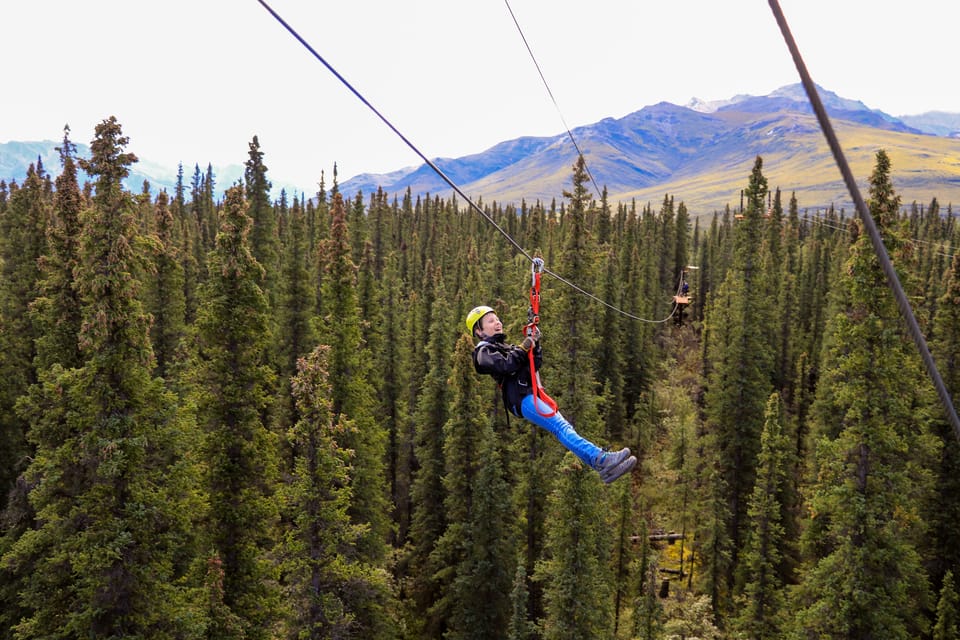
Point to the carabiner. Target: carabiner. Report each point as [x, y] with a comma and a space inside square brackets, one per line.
[536, 267]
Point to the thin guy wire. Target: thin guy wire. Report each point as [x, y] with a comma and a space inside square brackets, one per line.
[936, 246]
[550, 93]
[383, 118]
[440, 173]
[892, 280]
[607, 304]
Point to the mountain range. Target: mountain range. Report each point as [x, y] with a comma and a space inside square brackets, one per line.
[16, 156]
[701, 153]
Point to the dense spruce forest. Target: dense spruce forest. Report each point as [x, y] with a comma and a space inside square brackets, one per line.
[228, 416]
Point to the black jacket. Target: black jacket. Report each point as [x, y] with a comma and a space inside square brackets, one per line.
[510, 367]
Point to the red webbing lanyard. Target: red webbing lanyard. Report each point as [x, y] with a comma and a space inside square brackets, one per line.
[539, 394]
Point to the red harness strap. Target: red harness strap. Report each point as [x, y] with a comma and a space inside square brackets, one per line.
[539, 394]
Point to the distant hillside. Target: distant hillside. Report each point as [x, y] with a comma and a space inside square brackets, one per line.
[938, 123]
[15, 157]
[703, 153]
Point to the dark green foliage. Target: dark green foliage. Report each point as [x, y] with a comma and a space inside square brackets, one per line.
[944, 514]
[233, 388]
[473, 556]
[167, 303]
[946, 627]
[520, 627]
[740, 356]
[575, 569]
[865, 578]
[569, 339]
[352, 398]
[57, 309]
[57, 316]
[320, 562]
[622, 520]
[481, 587]
[427, 494]
[761, 603]
[109, 488]
[296, 334]
[647, 609]
[271, 499]
[610, 373]
[22, 242]
[264, 240]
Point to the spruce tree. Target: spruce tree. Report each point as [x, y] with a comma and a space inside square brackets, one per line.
[167, 303]
[520, 627]
[948, 613]
[945, 347]
[481, 587]
[297, 332]
[682, 248]
[647, 618]
[111, 493]
[56, 315]
[866, 578]
[622, 521]
[264, 233]
[666, 248]
[611, 359]
[712, 540]
[22, 242]
[234, 385]
[392, 383]
[575, 569]
[636, 355]
[427, 495]
[320, 563]
[738, 383]
[191, 247]
[473, 548]
[569, 340]
[762, 598]
[57, 310]
[787, 305]
[352, 398]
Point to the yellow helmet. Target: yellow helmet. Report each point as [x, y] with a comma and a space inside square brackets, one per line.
[474, 316]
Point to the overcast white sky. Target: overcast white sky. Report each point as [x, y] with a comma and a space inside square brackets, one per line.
[194, 81]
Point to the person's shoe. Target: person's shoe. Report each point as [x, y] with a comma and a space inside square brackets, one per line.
[613, 464]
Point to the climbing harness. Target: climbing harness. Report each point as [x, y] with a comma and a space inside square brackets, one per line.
[530, 329]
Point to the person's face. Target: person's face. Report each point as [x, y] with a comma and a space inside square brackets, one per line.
[490, 324]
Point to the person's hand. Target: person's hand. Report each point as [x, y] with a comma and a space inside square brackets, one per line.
[536, 333]
[528, 343]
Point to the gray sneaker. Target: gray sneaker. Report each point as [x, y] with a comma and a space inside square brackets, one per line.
[613, 464]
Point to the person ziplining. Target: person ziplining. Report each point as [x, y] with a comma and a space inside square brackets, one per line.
[892, 280]
[516, 371]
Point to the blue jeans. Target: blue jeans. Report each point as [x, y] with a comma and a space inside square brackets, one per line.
[561, 429]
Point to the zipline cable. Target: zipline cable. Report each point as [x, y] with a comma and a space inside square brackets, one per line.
[442, 175]
[937, 246]
[892, 280]
[389, 124]
[550, 93]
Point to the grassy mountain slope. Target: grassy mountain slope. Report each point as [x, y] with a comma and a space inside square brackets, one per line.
[704, 157]
[796, 159]
[702, 154]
